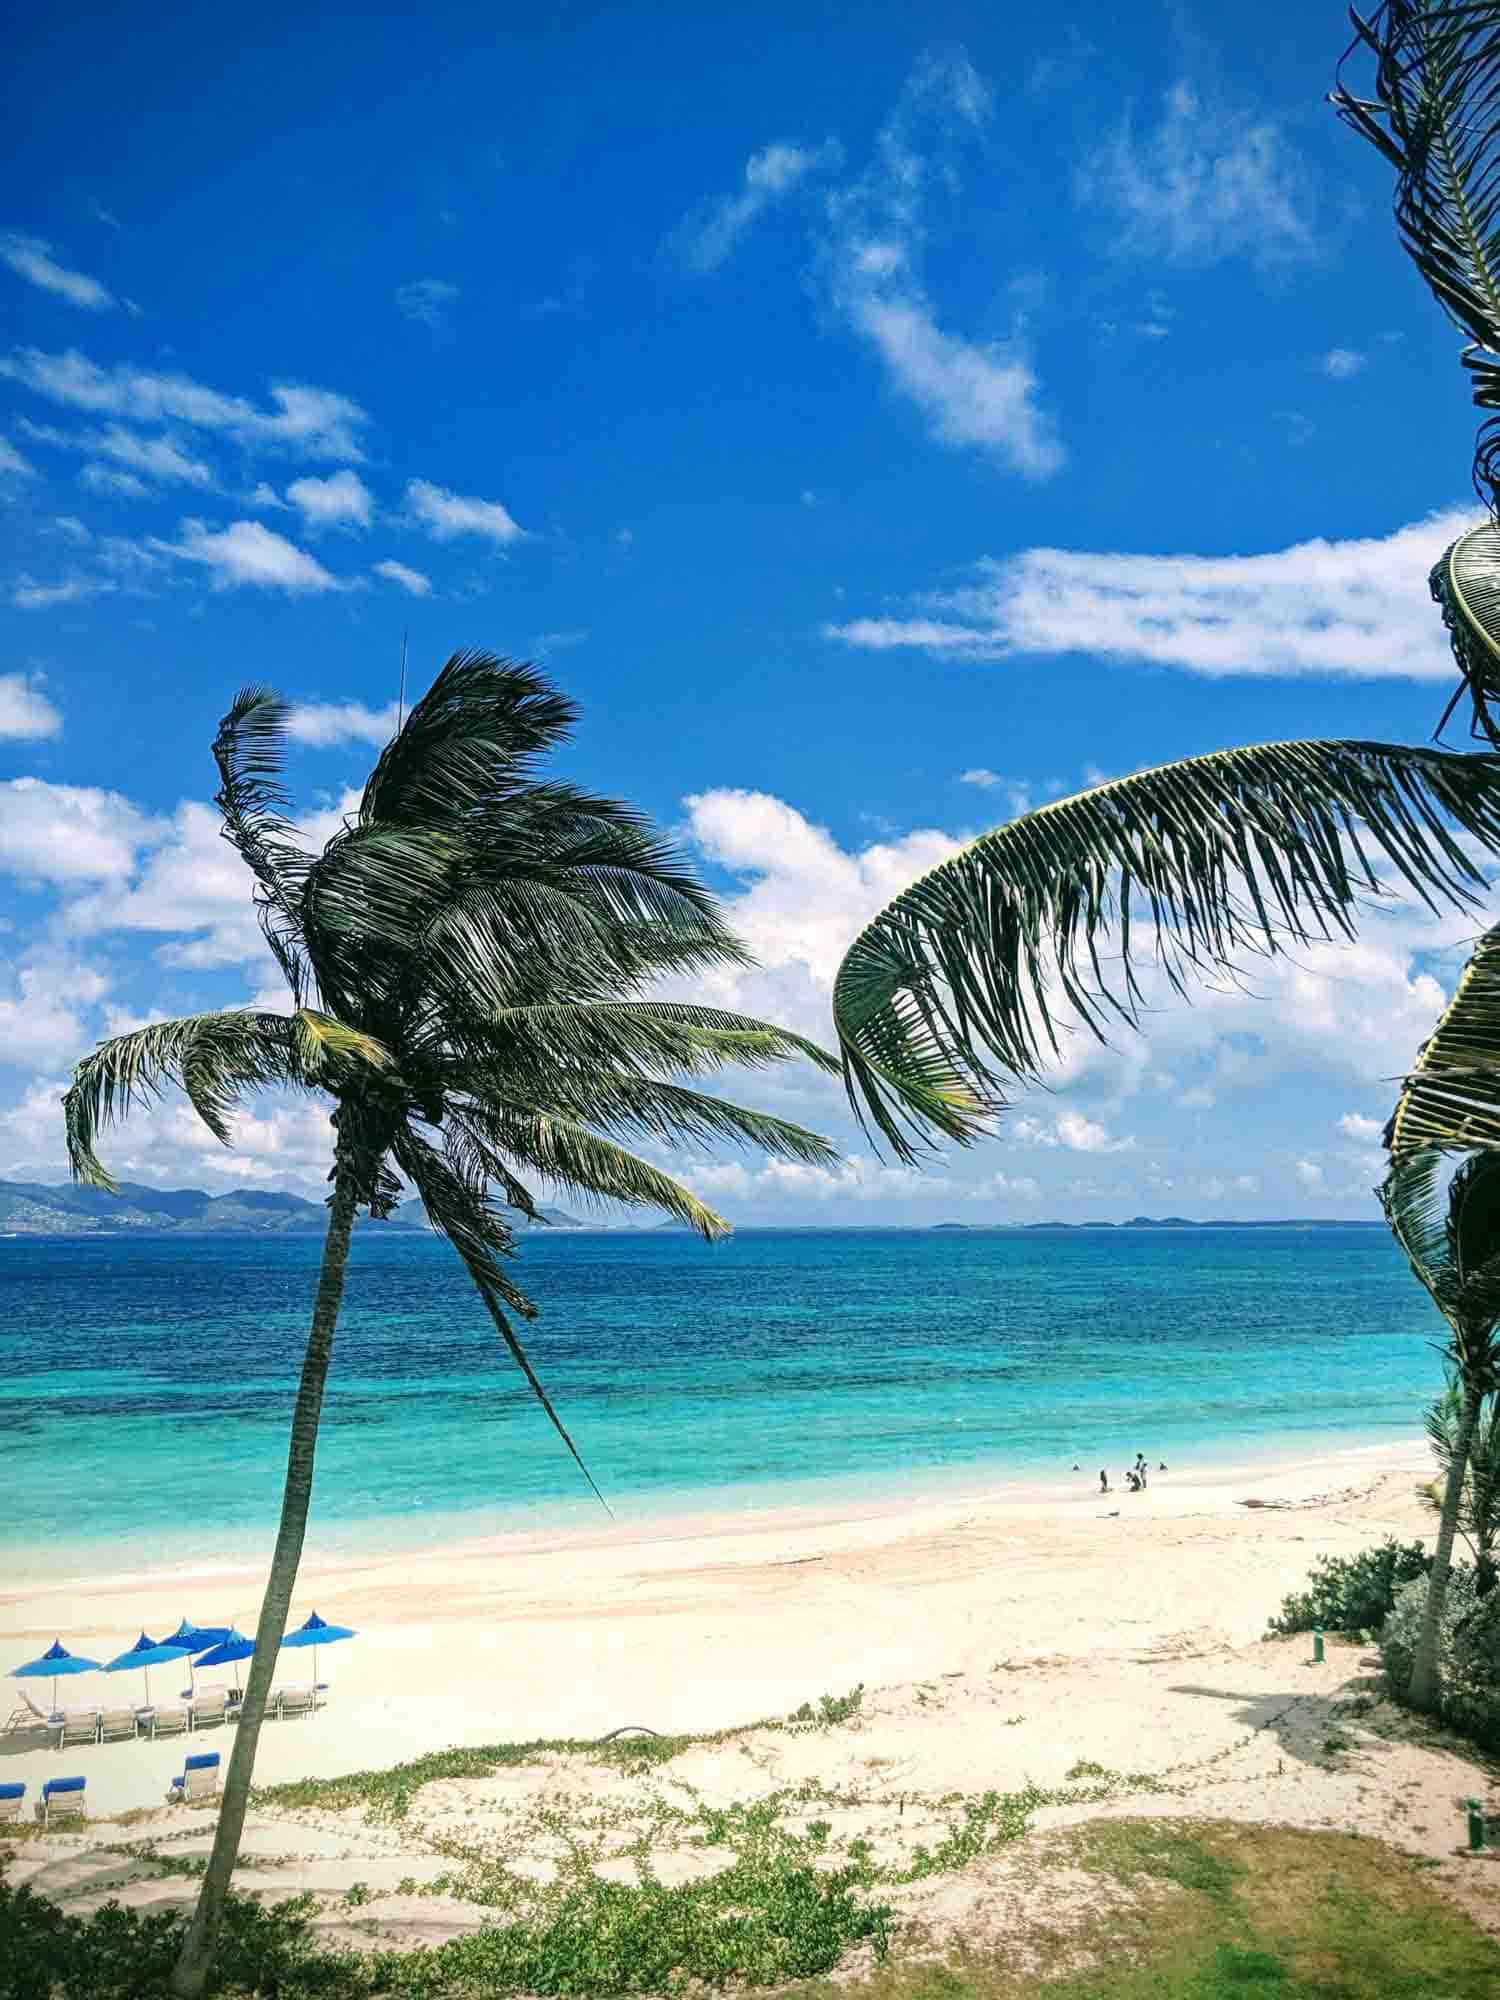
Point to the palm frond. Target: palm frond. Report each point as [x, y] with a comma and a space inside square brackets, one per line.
[956, 990]
[672, 1114]
[249, 750]
[1451, 1098]
[552, 1035]
[214, 1058]
[1450, 1232]
[586, 1164]
[458, 1211]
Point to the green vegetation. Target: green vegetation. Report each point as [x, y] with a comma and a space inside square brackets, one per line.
[1468, 1653]
[1351, 1593]
[1185, 1911]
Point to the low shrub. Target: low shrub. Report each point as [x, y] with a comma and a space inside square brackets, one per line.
[1468, 1653]
[1352, 1593]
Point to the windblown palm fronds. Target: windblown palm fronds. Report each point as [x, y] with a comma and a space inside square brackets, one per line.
[1435, 117]
[1450, 1100]
[958, 989]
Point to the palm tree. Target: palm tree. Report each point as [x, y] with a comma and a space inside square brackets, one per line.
[1479, 1505]
[1453, 1246]
[471, 961]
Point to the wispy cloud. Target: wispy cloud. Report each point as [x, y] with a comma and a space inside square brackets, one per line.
[1343, 362]
[411, 580]
[975, 393]
[27, 594]
[708, 238]
[341, 501]
[321, 724]
[30, 258]
[1353, 608]
[427, 301]
[1204, 183]
[447, 515]
[315, 423]
[25, 712]
[109, 480]
[160, 459]
[248, 553]
[12, 464]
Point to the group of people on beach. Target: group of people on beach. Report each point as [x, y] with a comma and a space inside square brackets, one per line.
[1135, 1477]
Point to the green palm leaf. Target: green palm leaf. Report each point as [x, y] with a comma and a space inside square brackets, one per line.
[565, 1152]
[249, 751]
[957, 990]
[1451, 1098]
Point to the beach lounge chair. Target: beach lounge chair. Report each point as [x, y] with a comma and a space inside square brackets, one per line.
[78, 1725]
[209, 1707]
[199, 1779]
[10, 1803]
[29, 1716]
[168, 1720]
[62, 1798]
[297, 1701]
[115, 1724]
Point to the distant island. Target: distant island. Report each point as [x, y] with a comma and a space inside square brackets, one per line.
[28, 1208]
[1183, 1222]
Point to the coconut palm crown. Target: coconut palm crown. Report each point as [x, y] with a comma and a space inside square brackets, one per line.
[472, 962]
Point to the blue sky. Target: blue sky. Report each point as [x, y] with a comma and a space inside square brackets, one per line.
[878, 419]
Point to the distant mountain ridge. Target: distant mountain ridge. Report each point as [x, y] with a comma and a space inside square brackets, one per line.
[30, 1208]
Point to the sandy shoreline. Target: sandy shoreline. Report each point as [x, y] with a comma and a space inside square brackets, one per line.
[705, 1624]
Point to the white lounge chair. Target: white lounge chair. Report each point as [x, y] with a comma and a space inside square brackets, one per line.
[11, 1797]
[297, 1701]
[208, 1707]
[62, 1798]
[115, 1724]
[170, 1719]
[199, 1779]
[29, 1716]
[77, 1725]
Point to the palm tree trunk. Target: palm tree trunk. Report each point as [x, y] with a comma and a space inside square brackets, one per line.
[1424, 1673]
[190, 1973]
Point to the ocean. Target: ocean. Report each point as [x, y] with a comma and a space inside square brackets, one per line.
[148, 1383]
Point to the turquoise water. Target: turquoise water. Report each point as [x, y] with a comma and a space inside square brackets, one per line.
[147, 1384]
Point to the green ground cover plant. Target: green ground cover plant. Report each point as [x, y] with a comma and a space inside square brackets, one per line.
[1351, 1593]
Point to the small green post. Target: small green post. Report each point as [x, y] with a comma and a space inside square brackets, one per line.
[1317, 1649]
[1476, 1825]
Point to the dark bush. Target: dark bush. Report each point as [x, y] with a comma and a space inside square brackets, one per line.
[1352, 1593]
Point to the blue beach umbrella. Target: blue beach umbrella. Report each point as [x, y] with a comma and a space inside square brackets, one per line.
[315, 1632]
[195, 1638]
[234, 1646]
[146, 1653]
[55, 1662]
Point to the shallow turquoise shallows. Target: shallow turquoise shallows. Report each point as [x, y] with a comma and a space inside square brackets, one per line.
[147, 1384]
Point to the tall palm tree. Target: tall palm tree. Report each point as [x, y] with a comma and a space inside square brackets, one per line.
[1452, 1241]
[470, 962]
[1479, 1504]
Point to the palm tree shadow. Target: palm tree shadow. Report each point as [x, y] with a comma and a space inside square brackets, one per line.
[1314, 1728]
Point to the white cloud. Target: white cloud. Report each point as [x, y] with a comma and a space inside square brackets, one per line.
[706, 240]
[159, 458]
[247, 552]
[314, 423]
[1309, 1174]
[69, 834]
[427, 300]
[322, 723]
[1205, 183]
[25, 711]
[1018, 792]
[27, 594]
[1343, 362]
[109, 480]
[71, 529]
[32, 259]
[1358, 607]
[40, 1019]
[1354, 1126]
[975, 393]
[446, 515]
[12, 464]
[1069, 1129]
[341, 501]
[411, 580]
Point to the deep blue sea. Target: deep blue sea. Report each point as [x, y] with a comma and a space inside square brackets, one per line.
[147, 1383]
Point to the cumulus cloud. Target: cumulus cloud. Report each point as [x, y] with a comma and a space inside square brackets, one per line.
[975, 393]
[707, 239]
[1355, 1126]
[160, 459]
[411, 580]
[426, 300]
[447, 515]
[323, 723]
[1341, 363]
[32, 259]
[247, 553]
[41, 1016]
[1070, 1129]
[69, 834]
[341, 501]
[1201, 184]
[1356, 608]
[25, 712]
[312, 423]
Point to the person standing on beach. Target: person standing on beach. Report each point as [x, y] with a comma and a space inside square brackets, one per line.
[1140, 1468]
[1103, 1480]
